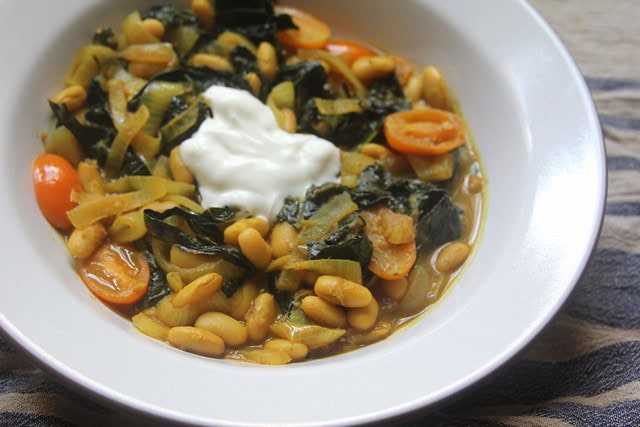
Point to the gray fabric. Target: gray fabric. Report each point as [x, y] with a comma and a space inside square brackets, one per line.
[584, 369]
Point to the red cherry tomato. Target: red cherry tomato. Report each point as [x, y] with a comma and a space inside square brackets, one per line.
[427, 132]
[53, 180]
[312, 33]
[348, 51]
[115, 274]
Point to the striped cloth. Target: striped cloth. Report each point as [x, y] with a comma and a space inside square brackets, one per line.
[584, 369]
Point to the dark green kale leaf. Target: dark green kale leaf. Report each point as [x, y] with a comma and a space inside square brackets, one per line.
[241, 13]
[204, 77]
[317, 196]
[171, 17]
[231, 285]
[385, 97]
[178, 75]
[353, 129]
[205, 224]
[88, 135]
[347, 241]
[284, 22]
[387, 93]
[436, 218]
[210, 242]
[290, 212]
[96, 136]
[296, 210]
[158, 286]
[98, 112]
[255, 19]
[177, 106]
[106, 37]
[134, 165]
[309, 80]
[285, 299]
[374, 186]
[243, 60]
[190, 122]
[350, 130]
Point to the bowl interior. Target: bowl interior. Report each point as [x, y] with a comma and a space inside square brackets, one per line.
[539, 227]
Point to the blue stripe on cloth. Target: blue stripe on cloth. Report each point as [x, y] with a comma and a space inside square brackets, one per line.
[623, 209]
[534, 383]
[609, 290]
[622, 163]
[598, 84]
[629, 123]
[30, 420]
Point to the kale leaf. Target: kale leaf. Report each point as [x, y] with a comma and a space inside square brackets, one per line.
[350, 130]
[88, 135]
[98, 112]
[347, 241]
[171, 17]
[385, 97]
[96, 138]
[290, 212]
[134, 165]
[295, 210]
[243, 60]
[436, 217]
[254, 19]
[158, 286]
[285, 299]
[105, 37]
[192, 121]
[231, 285]
[177, 75]
[206, 223]
[177, 106]
[204, 77]
[317, 196]
[310, 81]
[208, 239]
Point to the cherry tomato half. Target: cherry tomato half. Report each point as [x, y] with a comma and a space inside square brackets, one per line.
[115, 274]
[427, 132]
[312, 33]
[347, 50]
[53, 181]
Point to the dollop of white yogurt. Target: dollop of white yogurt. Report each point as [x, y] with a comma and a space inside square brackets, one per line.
[241, 158]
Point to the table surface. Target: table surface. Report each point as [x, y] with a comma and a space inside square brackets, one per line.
[584, 369]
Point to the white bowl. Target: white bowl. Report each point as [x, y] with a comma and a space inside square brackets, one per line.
[542, 150]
